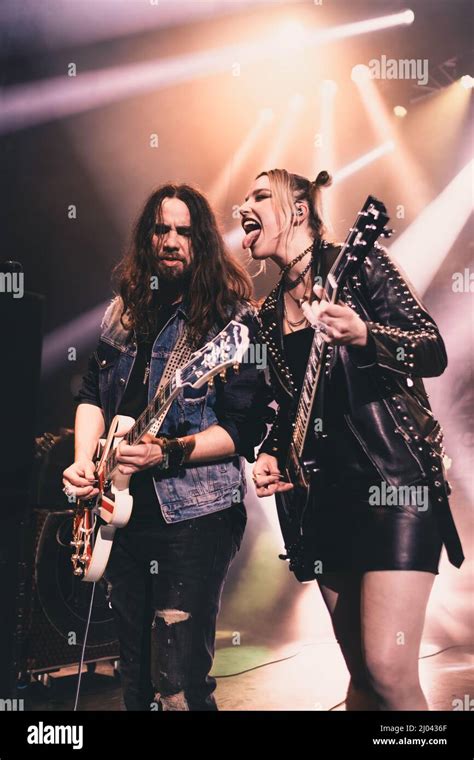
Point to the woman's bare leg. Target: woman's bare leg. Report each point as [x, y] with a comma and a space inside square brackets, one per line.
[341, 594]
[393, 606]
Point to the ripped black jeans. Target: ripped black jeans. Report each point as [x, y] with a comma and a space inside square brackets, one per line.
[164, 586]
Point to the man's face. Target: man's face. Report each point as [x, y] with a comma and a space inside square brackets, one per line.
[172, 240]
[259, 220]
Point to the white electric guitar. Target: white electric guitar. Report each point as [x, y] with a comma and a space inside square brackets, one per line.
[96, 520]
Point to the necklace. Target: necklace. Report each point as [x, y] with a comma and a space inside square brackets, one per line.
[299, 322]
[290, 323]
[294, 324]
[291, 284]
[304, 297]
[294, 261]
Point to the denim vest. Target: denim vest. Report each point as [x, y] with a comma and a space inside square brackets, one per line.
[198, 489]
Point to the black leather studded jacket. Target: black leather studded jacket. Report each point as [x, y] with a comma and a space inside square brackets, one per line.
[389, 412]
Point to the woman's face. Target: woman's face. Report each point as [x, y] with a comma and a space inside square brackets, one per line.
[259, 220]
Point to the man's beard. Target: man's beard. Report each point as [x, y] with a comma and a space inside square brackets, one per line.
[176, 275]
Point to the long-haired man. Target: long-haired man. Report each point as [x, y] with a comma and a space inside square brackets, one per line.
[168, 564]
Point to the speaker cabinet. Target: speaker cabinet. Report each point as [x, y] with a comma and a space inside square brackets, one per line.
[60, 603]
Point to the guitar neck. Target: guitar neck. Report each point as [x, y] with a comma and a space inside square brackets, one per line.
[145, 422]
[368, 226]
[225, 350]
[317, 356]
[308, 393]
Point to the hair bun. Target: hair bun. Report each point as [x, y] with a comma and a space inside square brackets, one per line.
[323, 179]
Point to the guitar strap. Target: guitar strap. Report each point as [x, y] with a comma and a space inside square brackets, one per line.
[180, 355]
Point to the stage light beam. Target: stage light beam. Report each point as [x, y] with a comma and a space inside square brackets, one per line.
[406, 171]
[220, 186]
[435, 230]
[26, 105]
[363, 161]
[294, 108]
[291, 35]
[324, 157]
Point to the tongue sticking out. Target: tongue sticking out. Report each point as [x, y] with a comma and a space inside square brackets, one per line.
[251, 238]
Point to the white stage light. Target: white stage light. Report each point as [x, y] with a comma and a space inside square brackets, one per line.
[360, 73]
[400, 112]
[467, 82]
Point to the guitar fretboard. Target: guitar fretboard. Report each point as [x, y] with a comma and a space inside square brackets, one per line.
[305, 404]
[368, 226]
[226, 349]
[144, 423]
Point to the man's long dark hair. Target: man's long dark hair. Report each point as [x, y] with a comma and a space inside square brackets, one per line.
[217, 281]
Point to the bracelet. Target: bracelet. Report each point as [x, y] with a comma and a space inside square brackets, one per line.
[164, 461]
[175, 453]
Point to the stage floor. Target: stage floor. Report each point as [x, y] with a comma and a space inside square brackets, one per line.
[301, 676]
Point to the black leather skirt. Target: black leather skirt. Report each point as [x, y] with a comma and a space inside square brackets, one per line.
[355, 527]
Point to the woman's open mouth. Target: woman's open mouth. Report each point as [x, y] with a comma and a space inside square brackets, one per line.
[252, 228]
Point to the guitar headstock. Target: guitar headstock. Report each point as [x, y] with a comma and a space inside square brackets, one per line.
[225, 350]
[368, 227]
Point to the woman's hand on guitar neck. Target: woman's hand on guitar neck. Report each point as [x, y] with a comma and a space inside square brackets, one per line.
[337, 322]
[78, 479]
[267, 477]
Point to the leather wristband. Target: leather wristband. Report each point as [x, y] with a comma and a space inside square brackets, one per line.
[175, 453]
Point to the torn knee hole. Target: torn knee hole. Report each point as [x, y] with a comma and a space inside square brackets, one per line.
[173, 616]
[174, 702]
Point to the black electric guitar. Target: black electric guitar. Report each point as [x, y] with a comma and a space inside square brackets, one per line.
[301, 467]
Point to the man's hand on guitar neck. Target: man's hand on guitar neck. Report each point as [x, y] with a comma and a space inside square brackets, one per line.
[267, 477]
[338, 323]
[147, 453]
[209, 445]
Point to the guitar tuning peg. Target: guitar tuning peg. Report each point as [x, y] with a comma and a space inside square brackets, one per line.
[223, 376]
[210, 382]
[236, 366]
